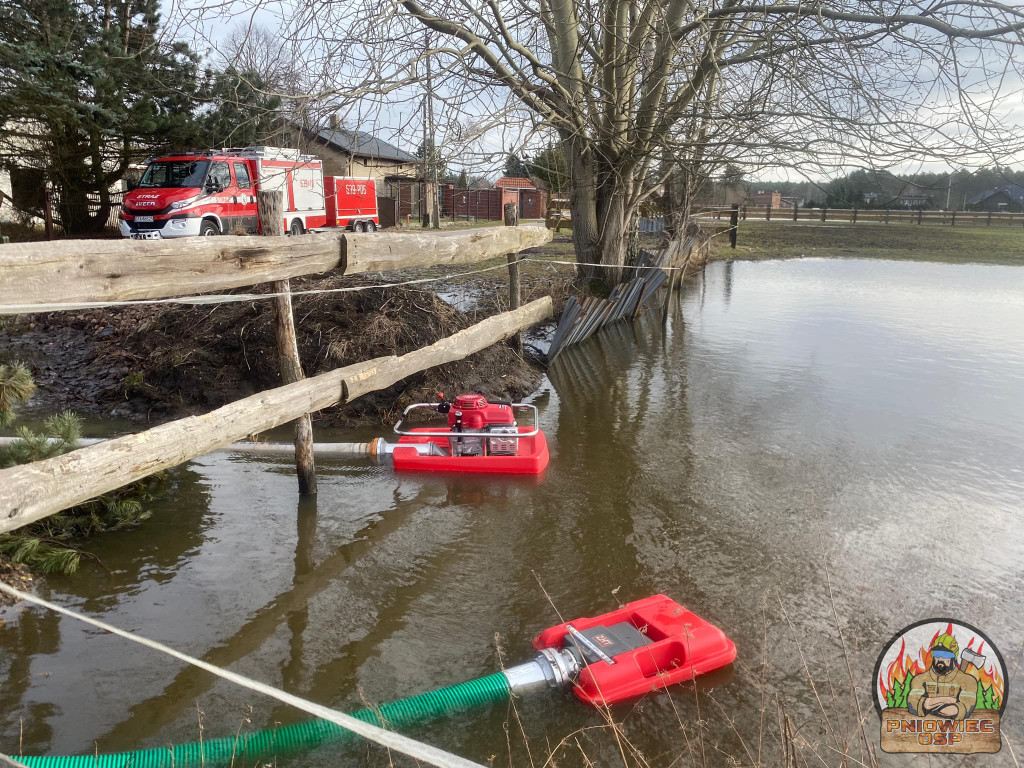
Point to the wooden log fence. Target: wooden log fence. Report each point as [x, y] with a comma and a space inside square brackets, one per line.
[871, 215]
[42, 277]
[74, 274]
[30, 492]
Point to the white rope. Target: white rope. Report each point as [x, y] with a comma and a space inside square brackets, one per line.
[389, 739]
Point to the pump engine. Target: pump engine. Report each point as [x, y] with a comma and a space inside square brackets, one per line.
[473, 413]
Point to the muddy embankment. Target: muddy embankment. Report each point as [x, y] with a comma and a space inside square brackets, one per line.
[153, 363]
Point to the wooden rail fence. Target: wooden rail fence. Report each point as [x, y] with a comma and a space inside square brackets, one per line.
[37, 277]
[869, 215]
[69, 273]
[29, 492]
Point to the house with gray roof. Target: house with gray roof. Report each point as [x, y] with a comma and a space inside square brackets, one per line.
[1009, 197]
[347, 152]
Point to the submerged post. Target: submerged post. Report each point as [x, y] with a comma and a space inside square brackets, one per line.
[270, 205]
[512, 220]
[734, 224]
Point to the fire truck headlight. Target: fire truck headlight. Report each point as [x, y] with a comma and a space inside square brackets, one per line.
[183, 203]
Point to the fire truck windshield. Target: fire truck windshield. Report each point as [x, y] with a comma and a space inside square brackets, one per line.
[175, 173]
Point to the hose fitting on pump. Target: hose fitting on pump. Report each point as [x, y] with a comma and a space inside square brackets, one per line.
[550, 668]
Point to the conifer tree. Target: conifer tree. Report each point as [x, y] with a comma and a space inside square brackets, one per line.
[86, 87]
[47, 545]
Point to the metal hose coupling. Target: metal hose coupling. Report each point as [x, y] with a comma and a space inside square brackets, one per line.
[550, 668]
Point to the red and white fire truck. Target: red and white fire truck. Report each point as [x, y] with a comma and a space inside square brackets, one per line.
[214, 193]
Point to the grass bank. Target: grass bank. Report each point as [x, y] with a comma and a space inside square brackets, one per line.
[956, 245]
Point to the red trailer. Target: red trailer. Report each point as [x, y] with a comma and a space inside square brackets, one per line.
[352, 203]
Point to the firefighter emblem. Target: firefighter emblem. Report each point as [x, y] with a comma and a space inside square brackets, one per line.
[940, 686]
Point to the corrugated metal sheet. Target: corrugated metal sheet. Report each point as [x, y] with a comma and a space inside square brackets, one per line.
[581, 319]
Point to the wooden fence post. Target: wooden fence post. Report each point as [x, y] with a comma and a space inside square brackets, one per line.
[854, 214]
[886, 215]
[768, 213]
[796, 208]
[988, 221]
[824, 213]
[734, 224]
[920, 215]
[270, 206]
[952, 221]
[514, 290]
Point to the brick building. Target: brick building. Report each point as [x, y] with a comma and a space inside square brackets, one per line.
[520, 190]
[774, 199]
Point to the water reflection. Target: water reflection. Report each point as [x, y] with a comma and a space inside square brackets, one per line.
[807, 414]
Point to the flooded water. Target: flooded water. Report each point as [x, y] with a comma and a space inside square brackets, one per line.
[792, 427]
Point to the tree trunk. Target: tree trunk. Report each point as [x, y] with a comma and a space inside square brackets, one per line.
[613, 220]
[600, 214]
[583, 207]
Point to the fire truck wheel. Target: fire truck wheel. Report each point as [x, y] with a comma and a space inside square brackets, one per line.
[209, 229]
[296, 227]
[371, 227]
[359, 227]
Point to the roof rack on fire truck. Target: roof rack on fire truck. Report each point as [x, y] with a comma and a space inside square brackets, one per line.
[269, 153]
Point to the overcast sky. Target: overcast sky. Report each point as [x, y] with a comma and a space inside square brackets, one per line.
[398, 119]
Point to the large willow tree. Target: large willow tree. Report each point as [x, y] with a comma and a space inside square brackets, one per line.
[637, 90]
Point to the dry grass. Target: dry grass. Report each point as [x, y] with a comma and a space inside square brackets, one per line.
[781, 239]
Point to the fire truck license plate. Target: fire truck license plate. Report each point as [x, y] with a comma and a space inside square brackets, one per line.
[143, 218]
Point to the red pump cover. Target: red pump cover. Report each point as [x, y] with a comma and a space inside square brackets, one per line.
[684, 647]
[477, 413]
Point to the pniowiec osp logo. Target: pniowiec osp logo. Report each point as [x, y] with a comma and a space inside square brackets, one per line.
[940, 686]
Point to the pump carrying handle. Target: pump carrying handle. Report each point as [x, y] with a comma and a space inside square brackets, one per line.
[448, 433]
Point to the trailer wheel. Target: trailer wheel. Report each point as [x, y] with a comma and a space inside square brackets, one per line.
[209, 228]
[296, 227]
[371, 227]
[358, 226]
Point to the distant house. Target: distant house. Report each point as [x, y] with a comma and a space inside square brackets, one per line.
[912, 200]
[347, 152]
[773, 199]
[520, 190]
[1008, 198]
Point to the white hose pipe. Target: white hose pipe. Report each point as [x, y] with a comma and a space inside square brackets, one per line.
[375, 447]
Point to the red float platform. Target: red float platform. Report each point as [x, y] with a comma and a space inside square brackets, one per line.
[530, 459]
[682, 647]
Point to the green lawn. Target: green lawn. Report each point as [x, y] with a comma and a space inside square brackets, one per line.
[775, 240]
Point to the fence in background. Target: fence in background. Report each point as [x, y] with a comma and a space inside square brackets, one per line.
[869, 215]
[651, 225]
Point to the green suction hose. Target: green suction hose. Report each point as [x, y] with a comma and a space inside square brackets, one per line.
[292, 738]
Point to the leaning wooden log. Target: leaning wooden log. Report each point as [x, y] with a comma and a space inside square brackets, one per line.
[33, 491]
[44, 277]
